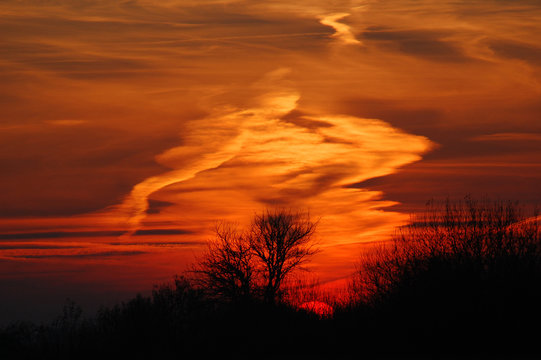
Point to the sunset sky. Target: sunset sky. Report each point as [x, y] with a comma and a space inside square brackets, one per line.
[129, 128]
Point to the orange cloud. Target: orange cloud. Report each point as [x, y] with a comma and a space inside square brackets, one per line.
[239, 161]
[342, 31]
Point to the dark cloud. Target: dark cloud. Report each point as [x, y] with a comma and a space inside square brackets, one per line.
[336, 140]
[66, 62]
[158, 244]
[59, 235]
[435, 121]
[426, 44]
[460, 166]
[517, 50]
[156, 206]
[482, 9]
[63, 170]
[103, 254]
[83, 234]
[298, 118]
[413, 186]
[330, 175]
[28, 51]
[162, 232]
[458, 147]
[522, 137]
[35, 246]
[418, 119]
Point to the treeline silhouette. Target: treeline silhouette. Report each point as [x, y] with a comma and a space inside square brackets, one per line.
[463, 276]
[463, 279]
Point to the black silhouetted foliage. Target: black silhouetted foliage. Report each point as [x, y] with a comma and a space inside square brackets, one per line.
[462, 274]
[177, 321]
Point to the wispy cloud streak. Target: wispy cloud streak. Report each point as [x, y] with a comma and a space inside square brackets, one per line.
[343, 32]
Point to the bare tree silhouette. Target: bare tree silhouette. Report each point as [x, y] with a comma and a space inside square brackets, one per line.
[226, 269]
[255, 263]
[281, 242]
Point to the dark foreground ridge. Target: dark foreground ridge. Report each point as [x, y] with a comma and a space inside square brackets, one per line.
[463, 281]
